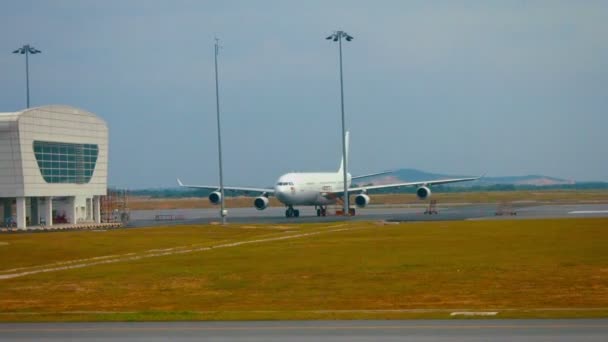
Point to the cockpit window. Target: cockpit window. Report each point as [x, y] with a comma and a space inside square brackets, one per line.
[285, 183]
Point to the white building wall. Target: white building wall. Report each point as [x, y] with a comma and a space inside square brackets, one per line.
[67, 125]
[20, 175]
[11, 175]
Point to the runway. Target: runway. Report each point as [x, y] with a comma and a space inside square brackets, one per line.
[412, 330]
[451, 212]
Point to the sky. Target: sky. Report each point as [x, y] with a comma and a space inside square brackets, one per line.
[454, 87]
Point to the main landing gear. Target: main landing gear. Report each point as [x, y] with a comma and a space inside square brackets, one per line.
[321, 211]
[291, 212]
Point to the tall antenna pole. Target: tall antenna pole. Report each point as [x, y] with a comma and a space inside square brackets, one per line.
[27, 50]
[219, 135]
[344, 152]
[27, 76]
[337, 37]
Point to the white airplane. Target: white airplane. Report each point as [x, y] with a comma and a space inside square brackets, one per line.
[319, 189]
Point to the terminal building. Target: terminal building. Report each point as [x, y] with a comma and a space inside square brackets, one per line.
[53, 166]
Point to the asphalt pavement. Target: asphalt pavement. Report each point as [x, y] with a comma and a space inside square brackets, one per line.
[451, 212]
[411, 330]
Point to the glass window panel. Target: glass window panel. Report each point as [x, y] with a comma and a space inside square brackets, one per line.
[66, 162]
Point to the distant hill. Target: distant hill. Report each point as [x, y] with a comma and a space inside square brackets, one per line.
[414, 175]
[507, 183]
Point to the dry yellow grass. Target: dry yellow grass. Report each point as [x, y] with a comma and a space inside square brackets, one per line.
[530, 268]
[144, 203]
[548, 196]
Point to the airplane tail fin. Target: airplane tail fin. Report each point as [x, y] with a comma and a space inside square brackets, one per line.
[341, 170]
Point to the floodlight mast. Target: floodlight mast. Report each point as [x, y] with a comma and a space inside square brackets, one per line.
[27, 50]
[223, 212]
[337, 37]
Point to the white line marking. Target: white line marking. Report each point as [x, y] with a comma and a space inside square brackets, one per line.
[474, 313]
[162, 252]
[589, 212]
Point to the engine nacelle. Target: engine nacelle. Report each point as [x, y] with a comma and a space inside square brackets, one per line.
[361, 200]
[260, 203]
[215, 197]
[423, 192]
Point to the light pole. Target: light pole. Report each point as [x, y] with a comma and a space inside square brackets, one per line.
[337, 37]
[27, 50]
[223, 212]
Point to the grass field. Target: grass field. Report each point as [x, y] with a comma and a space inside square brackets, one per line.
[547, 196]
[521, 268]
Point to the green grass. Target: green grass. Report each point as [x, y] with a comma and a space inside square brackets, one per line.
[520, 268]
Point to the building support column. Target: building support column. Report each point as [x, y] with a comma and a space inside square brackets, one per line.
[21, 213]
[48, 211]
[34, 213]
[70, 210]
[97, 209]
[8, 210]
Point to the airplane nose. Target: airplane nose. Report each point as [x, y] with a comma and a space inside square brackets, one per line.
[279, 193]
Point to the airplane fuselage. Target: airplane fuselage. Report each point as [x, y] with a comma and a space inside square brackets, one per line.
[310, 188]
[319, 189]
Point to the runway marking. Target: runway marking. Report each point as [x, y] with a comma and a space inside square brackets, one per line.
[589, 212]
[474, 313]
[105, 328]
[67, 265]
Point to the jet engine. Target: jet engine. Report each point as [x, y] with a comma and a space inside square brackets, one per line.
[423, 192]
[215, 197]
[361, 200]
[260, 203]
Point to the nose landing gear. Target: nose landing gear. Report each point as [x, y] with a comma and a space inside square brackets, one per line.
[321, 211]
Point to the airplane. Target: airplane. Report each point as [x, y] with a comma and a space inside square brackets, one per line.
[320, 189]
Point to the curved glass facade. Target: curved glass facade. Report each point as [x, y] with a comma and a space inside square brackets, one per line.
[65, 162]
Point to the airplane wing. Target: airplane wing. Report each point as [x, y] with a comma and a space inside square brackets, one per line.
[233, 188]
[422, 183]
[372, 174]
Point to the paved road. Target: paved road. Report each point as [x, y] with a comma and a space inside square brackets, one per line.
[414, 330]
[414, 213]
